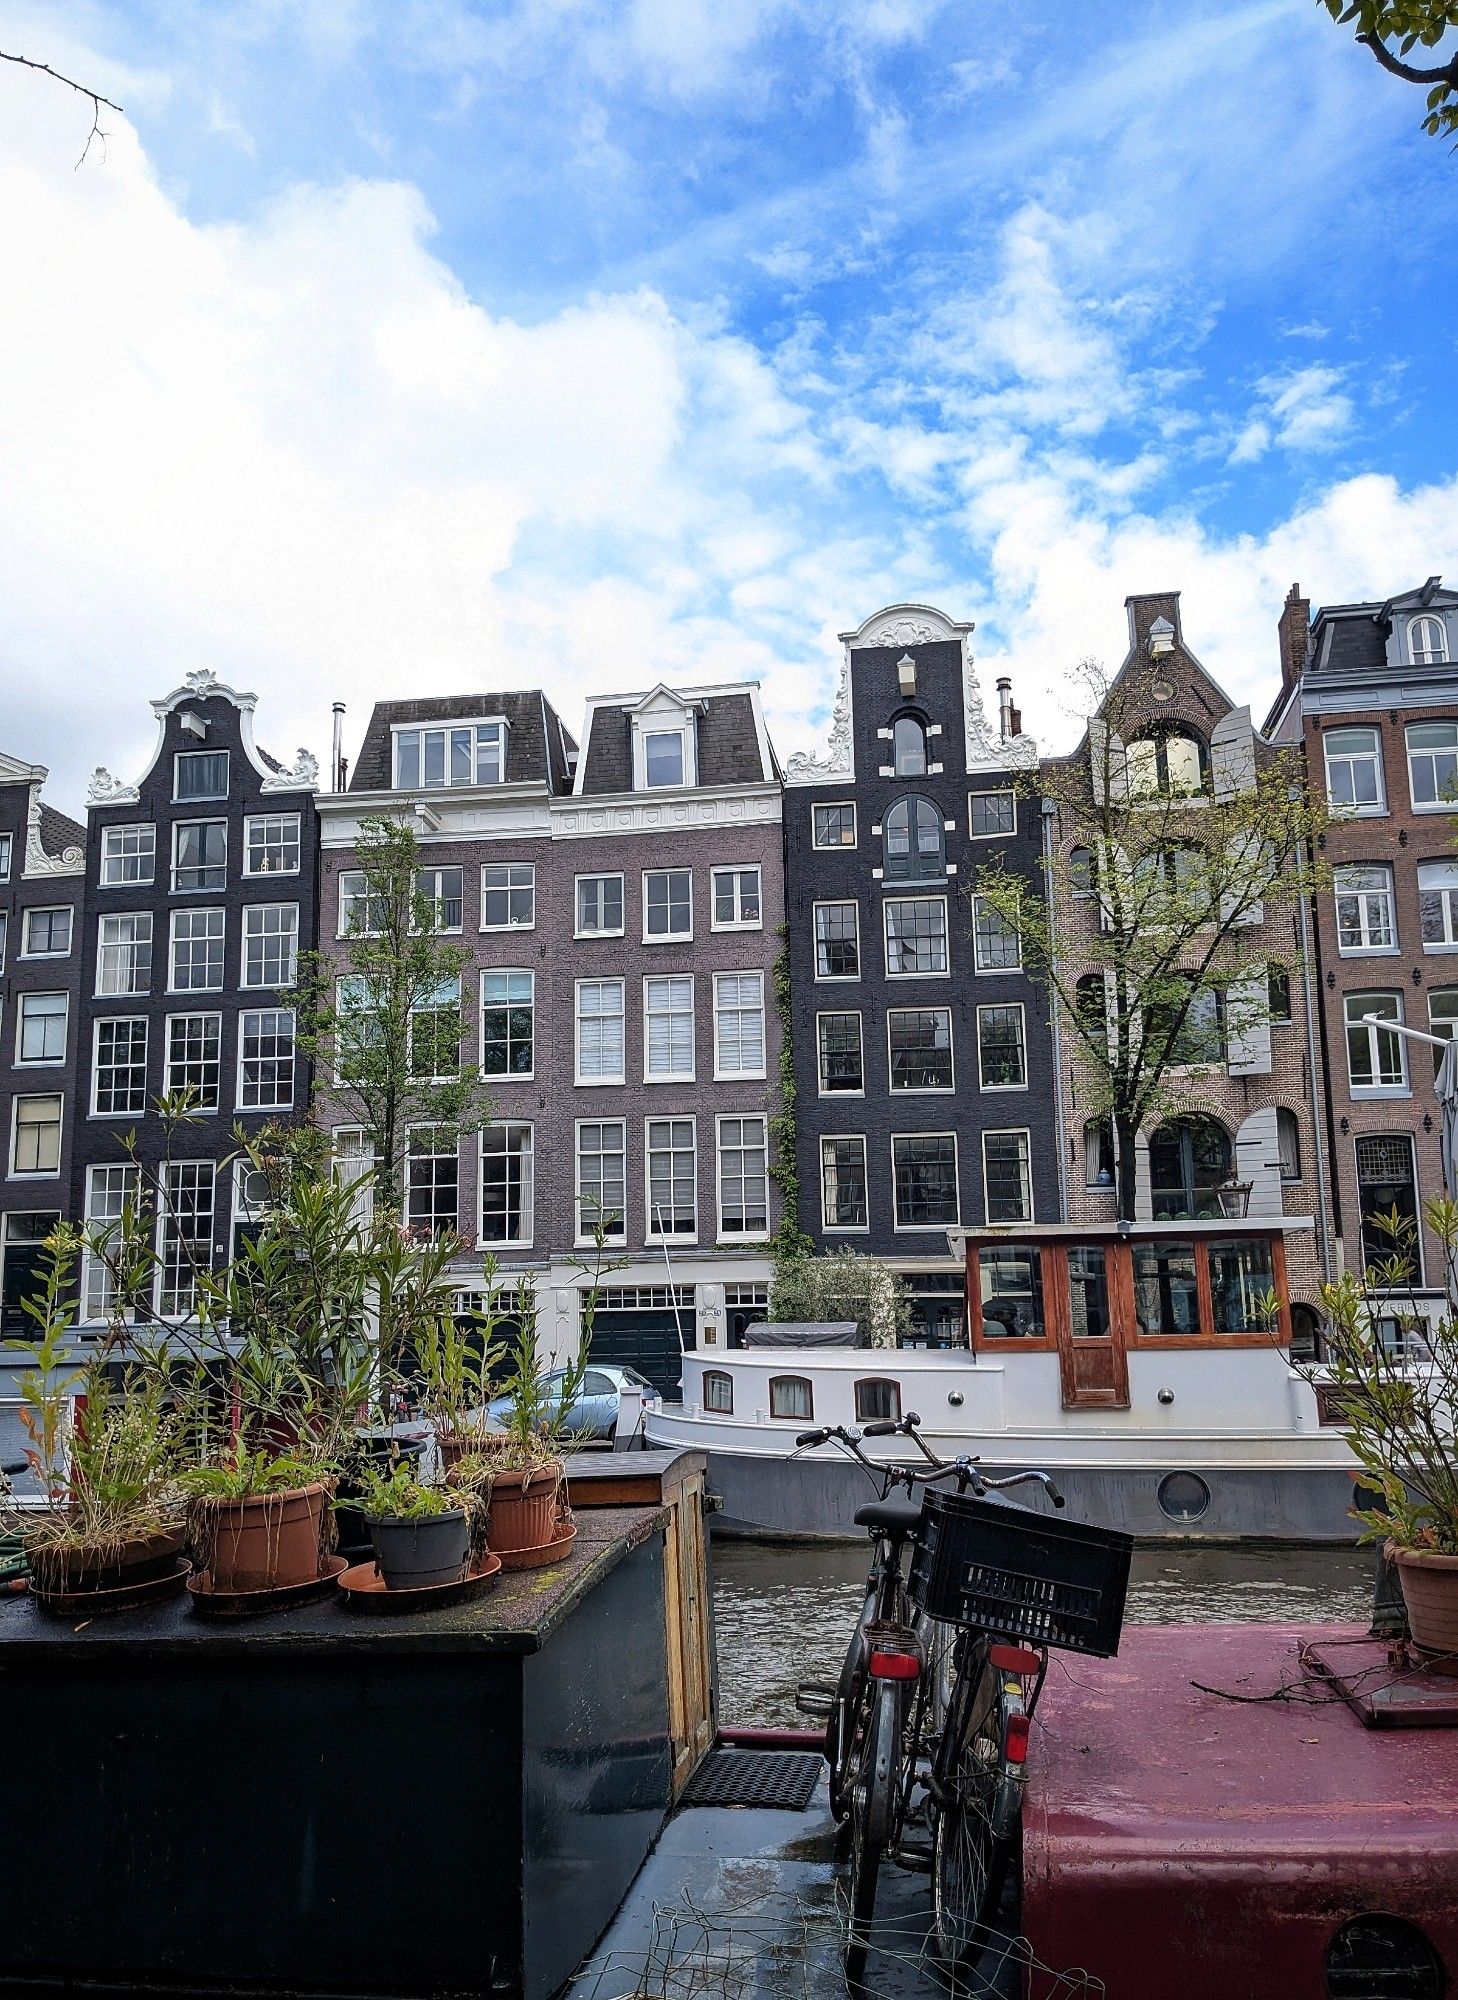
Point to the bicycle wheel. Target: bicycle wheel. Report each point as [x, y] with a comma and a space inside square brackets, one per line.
[969, 1861]
[871, 1817]
[841, 1730]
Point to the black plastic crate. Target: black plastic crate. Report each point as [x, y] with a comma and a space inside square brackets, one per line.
[1031, 1576]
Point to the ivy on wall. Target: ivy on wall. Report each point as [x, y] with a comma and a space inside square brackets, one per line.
[789, 1239]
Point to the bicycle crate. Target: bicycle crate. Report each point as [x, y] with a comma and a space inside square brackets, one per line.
[1023, 1575]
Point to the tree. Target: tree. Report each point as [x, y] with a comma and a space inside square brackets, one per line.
[384, 1025]
[1410, 24]
[1153, 934]
[845, 1285]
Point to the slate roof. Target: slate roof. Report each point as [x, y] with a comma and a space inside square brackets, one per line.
[537, 744]
[58, 831]
[727, 737]
[1353, 643]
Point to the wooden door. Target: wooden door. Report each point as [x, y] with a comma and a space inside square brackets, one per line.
[1091, 1314]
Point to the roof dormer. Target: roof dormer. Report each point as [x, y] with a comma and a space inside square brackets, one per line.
[665, 741]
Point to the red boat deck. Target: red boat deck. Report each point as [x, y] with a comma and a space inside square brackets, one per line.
[1180, 1844]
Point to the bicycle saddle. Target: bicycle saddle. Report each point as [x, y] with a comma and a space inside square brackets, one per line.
[895, 1516]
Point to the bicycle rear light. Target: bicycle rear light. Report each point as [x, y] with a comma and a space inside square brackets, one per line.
[886, 1666]
[1015, 1737]
[1014, 1659]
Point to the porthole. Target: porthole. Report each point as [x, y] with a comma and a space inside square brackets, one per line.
[1376, 1956]
[1183, 1496]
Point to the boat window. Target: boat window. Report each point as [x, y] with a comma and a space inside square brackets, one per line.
[1240, 1278]
[1088, 1293]
[719, 1392]
[791, 1396]
[1166, 1301]
[878, 1401]
[1011, 1279]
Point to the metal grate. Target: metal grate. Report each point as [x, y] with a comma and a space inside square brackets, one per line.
[777, 1779]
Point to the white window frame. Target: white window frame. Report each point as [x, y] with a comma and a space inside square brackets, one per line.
[727, 1235]
[347, 898]
[197, 1109]
[993, 971]
[513, 888]
[353, 1165]
[599, 875]
[896, 1091]
[1371, 902]
[651, 1231]
[56, 1097]
[736, 922]
[480, 725]
[648, 729]
[22, 1002]
[901, 1228]
[285, 820]
[109, 1021]
[668, 937]
[1338, 807]
[525, 972]
[993, 792]
[835, 903]
[834, 1013]
[47, 910]
[289, 937]
[206, 1175]
[181, 757]
[1426, 656]
[216, 936]
[838, 846]
[97, 1285]
[1003, 1006]
[688, 1075]
[6, 856]
[1353, 1006]
[721, 1074]
[145, 847]
[585, 1237]
[102, 948]
[246, 1015]
[596, 1082]
[899, 901]
[430, 872]
[527, 1216]
[436, 1152]
[1024, 1133]
[1447, 893]
[197, 889]
[845, 1228]
[1436, 804]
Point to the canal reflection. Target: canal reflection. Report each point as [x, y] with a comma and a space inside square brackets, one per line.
[783, 1612]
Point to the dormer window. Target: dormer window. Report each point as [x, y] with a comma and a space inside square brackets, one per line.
[1168, 761]
[665, 743]
[458, 753]
[1427, 641]
[663, 758]
[908, 745]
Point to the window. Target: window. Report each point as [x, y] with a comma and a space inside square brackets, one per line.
[1278, 994]
[600, 1057]
[1438, 904]
[199, 854]
[266, 1059]
[878, 1401]
[441, 888]
[1427, 641]
[119, 1068]
[1098, 1153]
[1288, 1143]
[509, 896]
[4, 933]
[602, 1179]
[993, 814]
[35, 1136]
[743, 1177]
[432, 1179]
[912, 845]
[197, 951]
[837, 941]
[840, 1063]
[5, 852]
[47, 933]
[1001, 1055]
[916, 936]
[920, 1044]
[599, 906]
[1082, 872]
[1387, 1180]
[1443, 1018]
[663, 759]
[271, 844]
[194, 1051]
[1186, 1022]
[791, 1397]
[435, 1032]
[1091, 1006]
[1010, 1283]
[1088, 1292]
[1007, 1177]
[1172, 886]
[184, 1233]
[1168, 761]
[508, 1011]
[128, 856]
[672, 1178]
[110, 1193]
[739, 1024]
[1365, 917]
[718, 1392]
[668, 1036]
[270, 944]
[506, 1184]
[843, 1183]
[668, 904]
[924, 1179]
[252, 1201]
[1240, 1278]
[353, 1165]
[1375, 1058]
[737, 901]
[1166, 1296]
[1189, 1160]
[834, 826]
[467, 753]
[124, 953]
[996, 944]
[908, 747]
[1354, 770]
[363, 908]
[40, 1034]
[200, 774]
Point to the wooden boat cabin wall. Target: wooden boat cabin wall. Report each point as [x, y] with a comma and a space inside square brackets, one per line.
[1094, 1294]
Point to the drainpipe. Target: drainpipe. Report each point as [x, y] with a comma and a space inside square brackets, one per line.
[336, 773]
[1049, 811]
[1319, 1113]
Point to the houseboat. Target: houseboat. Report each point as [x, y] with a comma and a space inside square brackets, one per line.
[1147, 1366]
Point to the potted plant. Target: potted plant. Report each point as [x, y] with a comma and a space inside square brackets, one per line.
[453, 1358]
[421, 1534]
[1391, 1374]
[257, 1519]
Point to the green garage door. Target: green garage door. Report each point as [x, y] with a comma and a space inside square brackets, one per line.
[638, 1326]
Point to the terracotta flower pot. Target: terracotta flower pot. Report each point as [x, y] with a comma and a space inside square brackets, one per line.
[524, 1509]
[411, 1553]
[453, 1446]
[1430, 1591]
[266, 1541]
[68, 1571]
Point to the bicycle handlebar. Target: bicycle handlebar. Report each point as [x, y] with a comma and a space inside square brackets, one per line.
[961, 1469]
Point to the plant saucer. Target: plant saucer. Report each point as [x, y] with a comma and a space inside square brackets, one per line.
[210, 1603]
[538, 1558]
[129, 1597]
[364, 1586]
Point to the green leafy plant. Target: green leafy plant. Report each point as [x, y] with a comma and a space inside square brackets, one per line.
[845, 1285]
[246, 1474]
[395, 1493]
[534, 1429]
[454, 1356]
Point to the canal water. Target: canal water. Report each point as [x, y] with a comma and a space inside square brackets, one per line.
[784, 1611]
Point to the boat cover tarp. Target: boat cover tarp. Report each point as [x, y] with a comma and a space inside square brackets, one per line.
[802, 1333]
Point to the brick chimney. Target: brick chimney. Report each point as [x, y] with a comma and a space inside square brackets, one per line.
[1294, 635]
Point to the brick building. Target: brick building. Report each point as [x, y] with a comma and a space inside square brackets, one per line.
[1371, 691]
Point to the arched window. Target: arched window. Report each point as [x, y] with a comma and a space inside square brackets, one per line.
[1098, 1153]
[1082, 872]
[878, 1401]
[1170, 759]
[719, 1392]
[913, 846]
[792, 1397]
[1189, 1158]
[908, 746]
[1288, 1143]
[1427, 640]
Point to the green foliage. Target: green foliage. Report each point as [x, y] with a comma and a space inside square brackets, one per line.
[535, 1428]
[845, 1285]
[396, 1494]
[454, 1358]
[789, 1238]
[1411, 24]
[243, 1474]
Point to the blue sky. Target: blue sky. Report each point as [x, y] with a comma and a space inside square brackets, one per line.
[403, 346]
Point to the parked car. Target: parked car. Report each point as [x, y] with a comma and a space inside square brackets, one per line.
[594, 1413]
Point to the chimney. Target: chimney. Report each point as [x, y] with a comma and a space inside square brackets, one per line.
[1005, 724]
[1293, 628]
[337, 765]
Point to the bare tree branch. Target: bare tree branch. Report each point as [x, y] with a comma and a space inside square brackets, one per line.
[82, 90]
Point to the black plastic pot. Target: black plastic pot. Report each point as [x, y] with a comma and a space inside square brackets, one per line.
[432, 1549]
